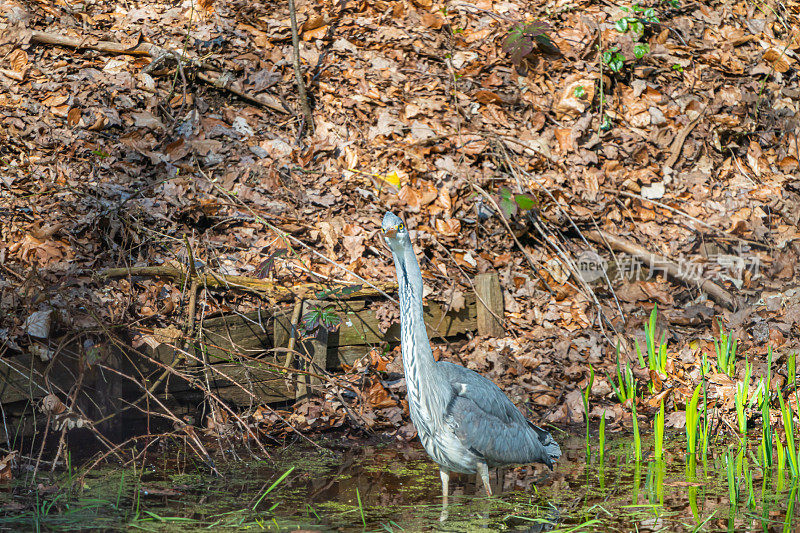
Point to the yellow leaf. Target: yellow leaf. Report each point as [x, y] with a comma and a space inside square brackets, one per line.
[392, 178]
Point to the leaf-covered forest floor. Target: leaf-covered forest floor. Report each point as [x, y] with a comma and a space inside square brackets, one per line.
[625, 136]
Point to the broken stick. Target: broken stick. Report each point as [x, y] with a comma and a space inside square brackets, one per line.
[654, 260]
[141, 49]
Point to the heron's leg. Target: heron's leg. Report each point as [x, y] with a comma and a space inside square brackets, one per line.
[483, 470]
[445, 475]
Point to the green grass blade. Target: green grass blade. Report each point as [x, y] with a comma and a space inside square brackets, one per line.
[271, 487]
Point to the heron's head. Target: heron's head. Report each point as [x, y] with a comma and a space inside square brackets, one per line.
[395, 233]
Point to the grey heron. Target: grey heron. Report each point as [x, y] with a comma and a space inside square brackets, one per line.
[465, 422]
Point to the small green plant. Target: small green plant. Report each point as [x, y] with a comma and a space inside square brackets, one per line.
[788, 429]
[733, 488]
[705, 366]
[726, 351]
[524, 37]
[606, 124]
[781, 460]
[637, 439]
[637, 16]
[272, 487]
[742, 390]
[321, 317]
[361, 508]
[602, 437]
[640, 50]
[511, 203]
[613, 59]
[766, 431]
[677, 67]
[656, 353]
[791, 370]
[692, 419]
[789, 519]
[625, 387]
[634, 21]
[751, 495]
[585, 397]
[579, 91]
[659, 433]
[705, 422]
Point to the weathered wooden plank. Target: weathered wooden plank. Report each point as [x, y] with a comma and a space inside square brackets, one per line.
[359, 327]
[247, 334]
[490, 308]
[347, 355]
[264, 382]
[15, 383]
[315, 349]
[282, 328]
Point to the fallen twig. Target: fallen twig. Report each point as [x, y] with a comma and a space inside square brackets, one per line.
[298, 73]
[669, 267]
[272, 290]
[677, 143]
[298, 309]
[146, 49]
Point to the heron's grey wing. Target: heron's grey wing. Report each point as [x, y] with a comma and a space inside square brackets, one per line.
[482, 391]
[488, 424]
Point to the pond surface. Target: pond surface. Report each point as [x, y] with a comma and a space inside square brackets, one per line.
[351, 486]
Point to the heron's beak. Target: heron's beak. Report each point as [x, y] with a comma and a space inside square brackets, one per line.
[391, 233]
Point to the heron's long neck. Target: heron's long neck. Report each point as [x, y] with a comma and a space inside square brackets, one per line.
[418, 362]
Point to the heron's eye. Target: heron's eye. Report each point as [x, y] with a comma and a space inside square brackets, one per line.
[400, 227]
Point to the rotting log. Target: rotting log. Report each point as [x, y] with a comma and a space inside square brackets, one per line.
[360, 326]
[272, 290]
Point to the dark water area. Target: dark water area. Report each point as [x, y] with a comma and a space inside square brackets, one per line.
[348, 485]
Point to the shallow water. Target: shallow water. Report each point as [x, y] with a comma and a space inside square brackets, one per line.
[351, 486]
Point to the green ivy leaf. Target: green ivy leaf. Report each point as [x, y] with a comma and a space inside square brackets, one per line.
[640, 50]
[621, 25]
[614, 60]
[524, 202]
[507, 204]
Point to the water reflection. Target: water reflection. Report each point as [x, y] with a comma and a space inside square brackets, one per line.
[352, 486]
